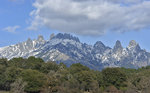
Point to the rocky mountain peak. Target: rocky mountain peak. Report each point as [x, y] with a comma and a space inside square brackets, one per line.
[68, 49]
[99, 47]
[99, 44]
[28, 43]
[118, 46]
[40, 38]
[133, 45]
[52, 36]
[66, 36]
[29, 40]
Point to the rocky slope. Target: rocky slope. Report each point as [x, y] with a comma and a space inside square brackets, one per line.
[68, 49]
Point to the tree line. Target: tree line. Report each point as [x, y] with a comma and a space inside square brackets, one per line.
[33, 75]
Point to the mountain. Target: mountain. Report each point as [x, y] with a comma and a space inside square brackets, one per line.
[68, 49]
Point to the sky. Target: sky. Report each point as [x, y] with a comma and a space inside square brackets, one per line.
[90, 20]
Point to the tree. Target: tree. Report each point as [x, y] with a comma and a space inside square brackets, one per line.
[2, 77]
[112, 89]
[75, 68]
[4, 62]
[10, 75]
[18, 86]
[141, 83]
[34, 63]
[114, 76]
[53, 82]
[99, 78]
[17, 62]
[35, 80]
[86, 78]
[94, 87]
[46, 67]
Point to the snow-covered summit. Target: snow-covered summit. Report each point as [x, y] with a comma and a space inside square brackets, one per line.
[68, 49]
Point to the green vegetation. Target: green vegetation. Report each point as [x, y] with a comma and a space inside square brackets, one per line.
[33, 75]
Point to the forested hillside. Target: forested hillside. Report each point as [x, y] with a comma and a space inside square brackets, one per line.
[33, 75]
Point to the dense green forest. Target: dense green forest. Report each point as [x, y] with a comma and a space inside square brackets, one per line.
[33, 75]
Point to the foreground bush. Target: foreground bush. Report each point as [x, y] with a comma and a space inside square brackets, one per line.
[33, 75]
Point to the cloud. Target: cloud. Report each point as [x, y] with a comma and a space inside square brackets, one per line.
[91, 17]
[11, 29]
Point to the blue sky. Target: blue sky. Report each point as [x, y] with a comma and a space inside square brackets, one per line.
[17, 23]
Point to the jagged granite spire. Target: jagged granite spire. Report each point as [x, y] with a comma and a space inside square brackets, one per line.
[52, 36]
[99, 47]
[117, 46]
[40, 38]
[133, 45]
[99, 44]
[29, 40]
[64, 48]
[29, 43]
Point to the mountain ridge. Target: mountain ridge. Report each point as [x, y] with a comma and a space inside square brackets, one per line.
[68, 49]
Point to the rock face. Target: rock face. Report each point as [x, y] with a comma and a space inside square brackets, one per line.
[68, 49]
[118, 47]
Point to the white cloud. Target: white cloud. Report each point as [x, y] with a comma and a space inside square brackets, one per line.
[11, 29]
[91, 17]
